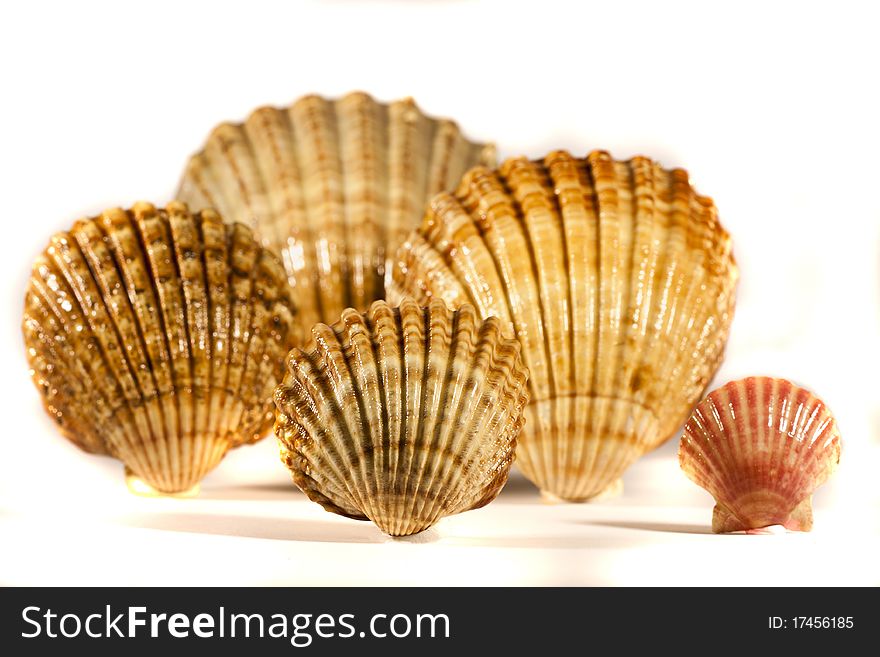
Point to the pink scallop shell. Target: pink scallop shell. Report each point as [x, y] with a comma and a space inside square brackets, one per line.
[760, 446]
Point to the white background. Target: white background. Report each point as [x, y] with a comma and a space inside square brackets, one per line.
[772, 107]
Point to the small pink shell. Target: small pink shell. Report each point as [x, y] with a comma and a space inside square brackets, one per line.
[760, 446]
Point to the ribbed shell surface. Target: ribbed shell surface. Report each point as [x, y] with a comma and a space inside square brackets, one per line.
[760, 446]
[333, 187]
[156, 336]
[618, 280]
[402, 415]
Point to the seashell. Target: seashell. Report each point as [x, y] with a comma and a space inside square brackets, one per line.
[332, 186]
[402, 415]
[618, 280]
[156, 336]
[760, 446]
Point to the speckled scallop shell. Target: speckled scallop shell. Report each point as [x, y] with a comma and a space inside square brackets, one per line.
[333, 187]
[156, 336]
[618, 280]
[402, 415]
[760, 446]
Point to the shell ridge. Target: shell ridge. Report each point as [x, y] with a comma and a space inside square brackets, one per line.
[462, 440]
[705, 315]
[260, 343]
[177, 294]
[701, 439]
[334, 443]
[638, 221]
[721, 407]
[221, 147]
[314, 448]
[777, 451]
[624, 205]
[388, 349]
[250, 402]
[238, 290]
[438, 423]
[615, 226]
[731, 477]
[700, 302]
[411, 323]
[161, 266]
[798, 432]
[242, 283]
[276, 349]
[669, 266]
[84, 285]
[117, 401]
[345, 335]
[381, 380]
[88, 379]
[355, 118]
[106, 271]
[586, 276]
[79, 275]
[134, 273]
[308, 119]
[423, 443]
[521, 175]
[676, 321]
[377, 422]
[443, 144]
[590, 453]
[455, 399]
[403, 379]
[258, 346]
[122, 256]
[187, 241]
[644, 213]
[285, 177]
[292, 223]
[214, 238]
[407, 180]
[511, 286]
[483, 419]
[147, 220]
[193, 185]
[443, 477]
[570, 326]
[441, 215]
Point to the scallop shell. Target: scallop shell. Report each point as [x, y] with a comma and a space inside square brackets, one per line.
[760, 446]
[402, 415]
[331, 186]
[618, 280]
[156, 336]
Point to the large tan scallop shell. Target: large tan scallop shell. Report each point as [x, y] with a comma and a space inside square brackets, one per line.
[156, 336]
[618, 281]
[402, 415]
[333, 186]
[760, 446]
